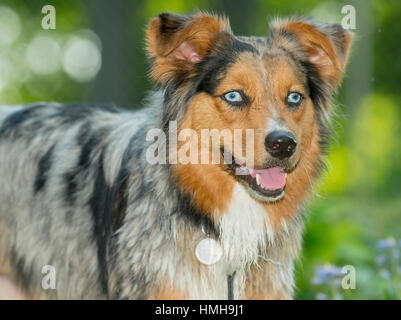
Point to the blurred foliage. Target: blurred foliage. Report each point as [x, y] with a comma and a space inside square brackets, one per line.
[358, 199]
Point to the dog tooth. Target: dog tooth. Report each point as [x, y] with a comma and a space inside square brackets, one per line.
[258, 179]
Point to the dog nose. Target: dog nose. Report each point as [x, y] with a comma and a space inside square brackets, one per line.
[280, 144]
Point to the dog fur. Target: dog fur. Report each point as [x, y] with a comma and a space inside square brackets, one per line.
[78, 193]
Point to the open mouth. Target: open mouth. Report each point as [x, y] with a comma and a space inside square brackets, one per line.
[266, 184]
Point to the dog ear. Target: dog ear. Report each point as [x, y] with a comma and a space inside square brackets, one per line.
[176, 43]
[326, 46]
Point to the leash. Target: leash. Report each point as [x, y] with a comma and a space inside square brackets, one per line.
[208, 252]
[230, 286]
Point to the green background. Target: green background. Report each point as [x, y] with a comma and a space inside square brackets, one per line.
[358, 199]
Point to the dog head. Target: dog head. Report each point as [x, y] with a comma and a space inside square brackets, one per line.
[279, 87]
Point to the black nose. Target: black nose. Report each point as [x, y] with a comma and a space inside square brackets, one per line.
[280, 144]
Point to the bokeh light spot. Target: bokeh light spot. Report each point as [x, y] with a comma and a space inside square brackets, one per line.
[43, 55]
[82, 58]
[10, 26]
[5, 71]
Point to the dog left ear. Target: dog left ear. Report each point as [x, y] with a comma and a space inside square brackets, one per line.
[326, 46]
[176, 43]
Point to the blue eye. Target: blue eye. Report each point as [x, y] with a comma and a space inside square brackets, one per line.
[294, 99]
[235, 98]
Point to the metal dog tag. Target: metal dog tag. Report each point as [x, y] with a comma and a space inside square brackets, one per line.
[208, 251]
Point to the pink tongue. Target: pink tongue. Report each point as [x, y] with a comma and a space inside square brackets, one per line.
[271, 179]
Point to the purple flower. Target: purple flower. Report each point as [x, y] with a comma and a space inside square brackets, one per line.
[324, 273]
[396, 254]
[380, 259]
[386, 243]
[337, 282]
[322, 296]
[384, 273]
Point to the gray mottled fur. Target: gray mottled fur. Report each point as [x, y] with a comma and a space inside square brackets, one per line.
[50, 220]
[77, 193]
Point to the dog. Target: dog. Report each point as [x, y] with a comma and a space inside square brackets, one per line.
[80, 194]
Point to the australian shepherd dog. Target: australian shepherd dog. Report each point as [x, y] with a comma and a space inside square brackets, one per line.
[102, 203]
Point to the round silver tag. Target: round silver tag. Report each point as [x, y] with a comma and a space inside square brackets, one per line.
[208, 251]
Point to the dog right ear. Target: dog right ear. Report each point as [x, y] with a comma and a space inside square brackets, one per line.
[175, 43]
[326, 46]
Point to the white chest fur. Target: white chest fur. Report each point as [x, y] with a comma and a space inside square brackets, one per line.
[245, 230]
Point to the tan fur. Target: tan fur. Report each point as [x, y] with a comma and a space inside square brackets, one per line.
[330, 63]
[5, 268]
[210, 185]
[8, 288]
[198, 32]
[167, 292]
